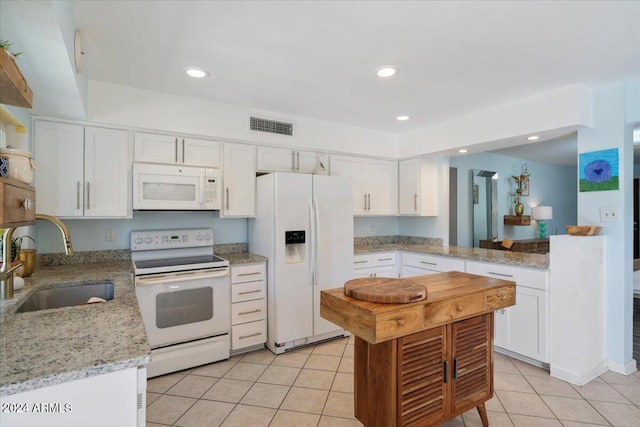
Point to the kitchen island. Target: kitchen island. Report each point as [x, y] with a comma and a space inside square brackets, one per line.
[423, 362]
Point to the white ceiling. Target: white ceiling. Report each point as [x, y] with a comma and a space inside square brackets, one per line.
[318, 59]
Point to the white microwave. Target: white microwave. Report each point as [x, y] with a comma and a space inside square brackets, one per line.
[175, 187]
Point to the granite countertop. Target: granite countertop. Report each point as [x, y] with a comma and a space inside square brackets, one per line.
[516, 259]
[242, 258]
[48, 347]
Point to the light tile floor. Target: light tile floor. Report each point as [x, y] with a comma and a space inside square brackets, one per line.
[314, 387]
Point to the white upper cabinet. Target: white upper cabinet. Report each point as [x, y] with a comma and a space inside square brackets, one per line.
[82, 171]
[271, 159]
[239, 181]
[418, 187]
[176, 150]
[375, 183]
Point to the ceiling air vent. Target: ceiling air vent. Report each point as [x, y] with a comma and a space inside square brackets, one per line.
[271, 126]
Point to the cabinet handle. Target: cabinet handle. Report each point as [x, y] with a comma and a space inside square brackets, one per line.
[385, 259]
[88, 195]
[293, 161]
[501, 274]
[242, 313]
[250, 292]
[360, 262]
[257, 334]
[455, 368]
[428, 263]
[249, 274]
[375, 274]
[176, 150]
[227, 194]
[415, 202]
[365, 201]
[183, 145]
[78, 196]
[298, 161]
[369, 201]
[446, 371]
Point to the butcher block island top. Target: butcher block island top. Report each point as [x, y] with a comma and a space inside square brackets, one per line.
[450, 296]
[425, 362]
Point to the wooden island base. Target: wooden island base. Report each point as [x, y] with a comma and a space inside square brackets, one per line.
[423, 363]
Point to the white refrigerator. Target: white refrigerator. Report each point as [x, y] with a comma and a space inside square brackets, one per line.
[304, 225]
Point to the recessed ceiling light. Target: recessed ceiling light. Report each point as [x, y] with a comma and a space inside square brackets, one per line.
[402, 118]
[196, 73]
[386, 71]
[462, 150]
[533, 138]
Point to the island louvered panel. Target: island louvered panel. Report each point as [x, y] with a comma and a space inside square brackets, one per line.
[471, 346]
[421, 382]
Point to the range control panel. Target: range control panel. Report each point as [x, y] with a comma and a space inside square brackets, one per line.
[171, 239]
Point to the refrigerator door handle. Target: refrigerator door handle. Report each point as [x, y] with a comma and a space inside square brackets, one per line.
[312, 248]
[316, 242]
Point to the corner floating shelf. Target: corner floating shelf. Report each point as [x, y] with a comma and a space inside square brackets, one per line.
[517, 220]
[14, 89]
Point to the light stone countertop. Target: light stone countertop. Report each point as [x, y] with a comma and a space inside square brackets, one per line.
[516, 259]
[242, 258]
[48, 347]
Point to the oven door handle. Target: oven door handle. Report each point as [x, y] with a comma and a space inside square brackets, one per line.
[182, 277]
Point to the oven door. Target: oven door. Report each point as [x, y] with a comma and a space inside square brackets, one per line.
[184, 306]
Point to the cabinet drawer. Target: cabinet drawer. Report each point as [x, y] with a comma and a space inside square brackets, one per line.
[248, 291]
[12, 210]
[537, 279]
[248, 311]
[430, 262]
[248, 334]
[248, 273]
[379, 259]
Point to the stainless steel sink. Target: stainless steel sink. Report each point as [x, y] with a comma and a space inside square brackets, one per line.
[64, 296]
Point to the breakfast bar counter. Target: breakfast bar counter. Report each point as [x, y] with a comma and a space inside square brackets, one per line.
[424, 362]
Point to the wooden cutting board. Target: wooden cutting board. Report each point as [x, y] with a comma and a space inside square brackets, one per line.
[385, 290]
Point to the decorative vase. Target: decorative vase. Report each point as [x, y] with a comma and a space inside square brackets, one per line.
[519, 208]
[28, 258]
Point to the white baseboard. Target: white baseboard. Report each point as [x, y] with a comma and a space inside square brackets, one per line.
[579, 379]
[624, 369]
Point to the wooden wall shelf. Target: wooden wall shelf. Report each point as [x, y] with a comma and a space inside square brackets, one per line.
[517, 220]
[14, 89]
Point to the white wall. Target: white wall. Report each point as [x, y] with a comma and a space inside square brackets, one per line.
[506, 125]
[553, 186]
[612, 130]
[89, 234]
[125, 106]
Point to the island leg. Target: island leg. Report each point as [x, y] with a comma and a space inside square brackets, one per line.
[482, 411]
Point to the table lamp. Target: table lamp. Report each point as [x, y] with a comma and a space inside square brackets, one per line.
[541, 214]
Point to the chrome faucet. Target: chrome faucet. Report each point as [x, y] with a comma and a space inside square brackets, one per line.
[6, 271]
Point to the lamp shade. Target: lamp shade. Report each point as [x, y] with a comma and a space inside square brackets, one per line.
[542, 213]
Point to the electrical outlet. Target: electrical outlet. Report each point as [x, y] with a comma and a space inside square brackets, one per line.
[610, 214]
[373, 229]
[110, 235]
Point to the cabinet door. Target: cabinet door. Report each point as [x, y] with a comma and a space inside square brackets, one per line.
[107, 173]
[422, 386]
[239, 179]
[352, 167]
[381, 186]
[272, 159]
[471, 355]
[59, 177]
[200, 152]
[308, 161]
[156, 148]
[408, 186]
[526, 324]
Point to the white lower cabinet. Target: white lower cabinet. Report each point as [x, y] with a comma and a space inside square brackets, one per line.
[112, 399]
[248, 306]
[380, 264]
[524, 327]
[414, 264]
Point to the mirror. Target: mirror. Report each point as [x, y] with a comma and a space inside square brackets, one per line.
[484, 202]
